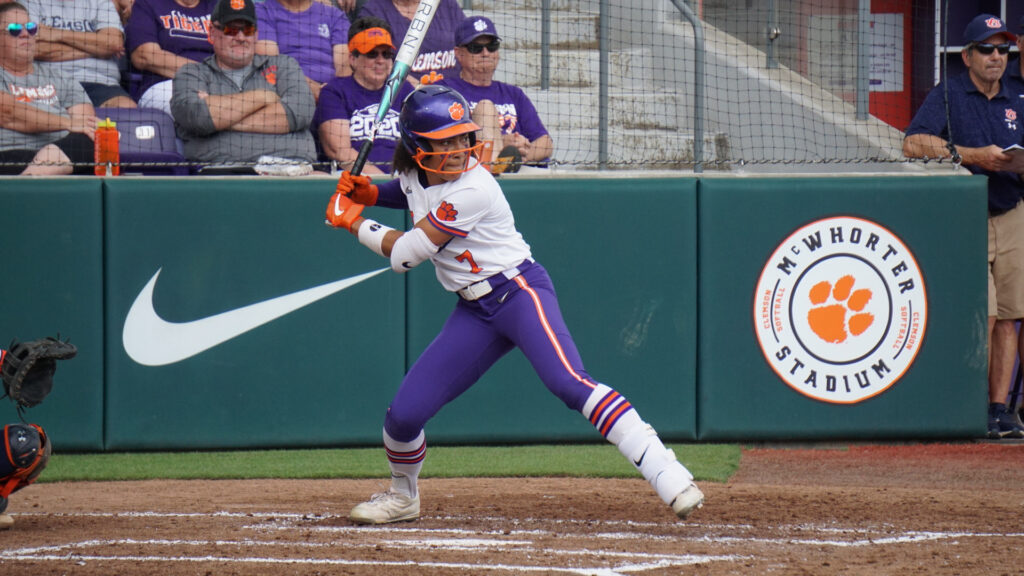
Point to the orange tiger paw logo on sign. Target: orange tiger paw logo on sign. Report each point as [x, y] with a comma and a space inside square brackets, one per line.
[829, 321]
[841, 309]
[446, 212]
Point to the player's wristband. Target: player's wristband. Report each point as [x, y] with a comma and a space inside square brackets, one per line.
[371, 235]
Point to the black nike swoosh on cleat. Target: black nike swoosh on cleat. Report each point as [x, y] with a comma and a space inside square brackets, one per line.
[641, 460]
[406, 265]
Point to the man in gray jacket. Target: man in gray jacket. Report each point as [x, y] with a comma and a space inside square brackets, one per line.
[237, 109]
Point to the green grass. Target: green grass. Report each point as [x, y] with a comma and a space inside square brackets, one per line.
[708, 462]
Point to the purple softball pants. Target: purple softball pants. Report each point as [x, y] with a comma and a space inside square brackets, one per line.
[519, 313]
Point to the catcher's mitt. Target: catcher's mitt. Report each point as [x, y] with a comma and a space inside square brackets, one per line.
[27, 368]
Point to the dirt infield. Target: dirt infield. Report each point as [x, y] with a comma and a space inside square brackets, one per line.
[920, 509]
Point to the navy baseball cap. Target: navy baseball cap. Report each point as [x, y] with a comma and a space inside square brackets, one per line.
[230, 10]
[983, 27]
[474, 27]
[1020, 25]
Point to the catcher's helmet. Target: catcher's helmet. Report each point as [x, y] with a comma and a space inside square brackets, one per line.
[435, 112]
[25, 452]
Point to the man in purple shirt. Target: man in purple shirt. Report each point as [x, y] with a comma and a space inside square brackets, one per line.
[348, 106]
[506, 116]
[437, 53]
[313, 34]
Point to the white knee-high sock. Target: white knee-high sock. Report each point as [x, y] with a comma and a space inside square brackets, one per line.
[619, 422]
[405, 460]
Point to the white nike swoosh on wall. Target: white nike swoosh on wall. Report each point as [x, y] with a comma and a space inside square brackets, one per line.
[152, 341]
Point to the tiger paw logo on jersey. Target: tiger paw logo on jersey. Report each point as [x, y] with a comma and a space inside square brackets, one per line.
[270, 74]
[840, 310]
[446, 212]
[456, 111]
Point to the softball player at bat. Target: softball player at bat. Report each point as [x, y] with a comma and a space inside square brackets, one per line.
[506, 300]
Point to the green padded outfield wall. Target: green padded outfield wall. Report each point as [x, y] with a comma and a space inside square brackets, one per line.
[318, 376]
[684, 347]
[790, 350]
[51, 246]
[221, 244]
[621, 253]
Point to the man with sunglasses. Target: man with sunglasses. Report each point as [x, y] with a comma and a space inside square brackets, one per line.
[46, 121]
[973, 117]
[237, 109]
[507, 118]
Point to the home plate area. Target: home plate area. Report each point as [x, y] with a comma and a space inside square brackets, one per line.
[784, 512]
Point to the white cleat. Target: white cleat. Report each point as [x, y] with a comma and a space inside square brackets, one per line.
[6, 521]
[687, 501]
[385, 508]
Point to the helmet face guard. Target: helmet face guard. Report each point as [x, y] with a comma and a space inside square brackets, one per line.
[471, 160]
[432, 113]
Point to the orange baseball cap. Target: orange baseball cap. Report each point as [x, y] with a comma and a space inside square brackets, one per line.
[368, 39]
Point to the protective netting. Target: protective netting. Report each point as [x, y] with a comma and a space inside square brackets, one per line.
[666, 84]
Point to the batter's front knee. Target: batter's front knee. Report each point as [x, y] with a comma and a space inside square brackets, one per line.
[402, 425]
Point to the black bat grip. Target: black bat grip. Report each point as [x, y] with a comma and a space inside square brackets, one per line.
[364, 152]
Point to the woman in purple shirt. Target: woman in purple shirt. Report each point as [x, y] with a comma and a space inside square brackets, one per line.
[348, 106]
[312, 33]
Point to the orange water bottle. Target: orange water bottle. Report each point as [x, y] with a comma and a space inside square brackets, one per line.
[108, 156]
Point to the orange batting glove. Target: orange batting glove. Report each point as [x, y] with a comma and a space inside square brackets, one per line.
[342, 212]
[432, 78]
[358, 188]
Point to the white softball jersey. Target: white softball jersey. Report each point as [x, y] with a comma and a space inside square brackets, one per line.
[474, 211]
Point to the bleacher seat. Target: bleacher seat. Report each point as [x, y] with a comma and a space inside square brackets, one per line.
[147, 136]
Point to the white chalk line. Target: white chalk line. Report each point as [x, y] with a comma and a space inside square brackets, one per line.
[457, 539]
[69, 552]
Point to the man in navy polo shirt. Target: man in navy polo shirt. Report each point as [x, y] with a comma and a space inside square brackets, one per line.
[985, 115]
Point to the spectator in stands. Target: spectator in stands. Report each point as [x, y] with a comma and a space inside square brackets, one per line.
[237, 107]
[312, 33]
[163, 36]
[437, 54]
[46, 120]
[504, 112]
[348, 106]
[984, 117]
[82, 39]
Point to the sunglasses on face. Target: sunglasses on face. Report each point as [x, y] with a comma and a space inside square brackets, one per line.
[15, 29]
[234, 29]
[385, 54]
[491, 46]
[987, 49]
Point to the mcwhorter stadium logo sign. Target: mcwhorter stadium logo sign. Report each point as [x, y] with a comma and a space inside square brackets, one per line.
[840, 310]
